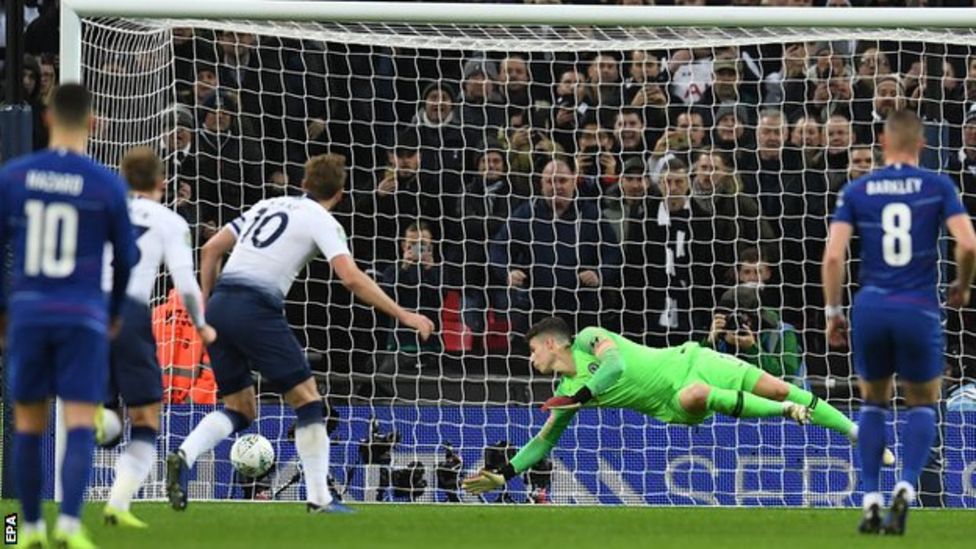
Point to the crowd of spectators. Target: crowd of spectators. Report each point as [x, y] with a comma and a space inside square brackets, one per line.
[660, 193]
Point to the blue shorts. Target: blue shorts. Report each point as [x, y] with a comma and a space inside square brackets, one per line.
[135, 375]
[905, 340]
[70, 362]
[252, 334]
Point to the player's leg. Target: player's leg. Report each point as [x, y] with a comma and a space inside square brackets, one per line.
[279, 357]
[133, 465]
[821, 412]
[30, 422]
[717, 385]
[32, 382]
[876, 394]
[82, 358]
[698, 398]
[312, 443]
[234, 322]
[919, 365]
[872, 346]
[134, 376]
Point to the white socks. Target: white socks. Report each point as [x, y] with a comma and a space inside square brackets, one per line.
[213, 428]
[312, 443]
[68, 525]
[131, 471]
[909, 490]
[873, 498]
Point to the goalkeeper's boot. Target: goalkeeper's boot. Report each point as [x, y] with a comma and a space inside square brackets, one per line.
[894, 521]
[334, 508]
[34, 540]
[177, 480]
[798, 413]
[78, 540]
[125, 519]
[871, 520]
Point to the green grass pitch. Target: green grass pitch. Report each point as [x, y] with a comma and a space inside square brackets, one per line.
[281, 526]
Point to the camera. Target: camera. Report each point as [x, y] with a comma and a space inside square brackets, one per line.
[377, 448]
[409, 482]
[738, 322]
[539, 477]
[448, 474]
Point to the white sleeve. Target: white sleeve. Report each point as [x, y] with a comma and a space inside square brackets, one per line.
[237, 224]
[179, 260]
[330, 237]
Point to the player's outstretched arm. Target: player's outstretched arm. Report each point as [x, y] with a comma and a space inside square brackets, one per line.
[530, 454]
[211, 255]
[832, 274]
[961, 228]
[359, 283]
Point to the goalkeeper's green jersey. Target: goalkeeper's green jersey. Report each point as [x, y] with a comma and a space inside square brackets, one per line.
[645, 380]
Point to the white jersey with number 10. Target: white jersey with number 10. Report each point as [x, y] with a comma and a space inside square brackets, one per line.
[276, 238]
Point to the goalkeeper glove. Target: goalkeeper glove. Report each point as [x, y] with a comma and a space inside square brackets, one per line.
[568, 403]
[484, 481]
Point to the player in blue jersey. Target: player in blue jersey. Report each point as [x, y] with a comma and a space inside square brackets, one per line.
[58, 209]
[898, 212]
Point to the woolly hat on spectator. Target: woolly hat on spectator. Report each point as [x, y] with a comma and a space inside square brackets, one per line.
[838, 47]
[634, 166]
[480, 66]
[184, 118]
[437, 86]
[737, 110]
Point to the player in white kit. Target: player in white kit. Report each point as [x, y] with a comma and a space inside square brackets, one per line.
[272, 242]
[162, 236]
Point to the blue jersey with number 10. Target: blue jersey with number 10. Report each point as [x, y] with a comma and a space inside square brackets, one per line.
[899, 211]
[58, 209]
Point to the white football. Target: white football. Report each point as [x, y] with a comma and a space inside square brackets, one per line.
[252, 455]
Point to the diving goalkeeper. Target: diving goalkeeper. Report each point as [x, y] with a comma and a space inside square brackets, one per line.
[683, 385]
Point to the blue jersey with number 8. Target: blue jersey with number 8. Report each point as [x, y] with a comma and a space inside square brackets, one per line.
[898, 212]
[58, 210]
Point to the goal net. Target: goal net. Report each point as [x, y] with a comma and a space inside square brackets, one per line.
[643, 179]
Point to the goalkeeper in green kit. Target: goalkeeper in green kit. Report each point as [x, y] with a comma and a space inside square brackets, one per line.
[683, 385]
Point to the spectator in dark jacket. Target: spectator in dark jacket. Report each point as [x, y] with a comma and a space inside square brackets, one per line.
[481, 112]
[397, 201]
[555, 253]
[484, 209]
[772, 168]
[226, 166]
[416, 282]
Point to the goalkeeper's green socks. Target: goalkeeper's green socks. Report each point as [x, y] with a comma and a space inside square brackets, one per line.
[742, 404]
[822, 413]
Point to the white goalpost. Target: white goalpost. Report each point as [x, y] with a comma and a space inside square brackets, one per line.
[747, 120]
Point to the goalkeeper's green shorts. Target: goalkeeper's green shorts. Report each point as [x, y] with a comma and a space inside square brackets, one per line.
[715, 370]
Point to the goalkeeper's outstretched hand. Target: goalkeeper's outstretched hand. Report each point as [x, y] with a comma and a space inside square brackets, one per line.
[484, 481]
[560, 403]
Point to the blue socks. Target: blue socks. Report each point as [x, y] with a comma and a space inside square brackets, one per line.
[75, 470]
[30, 475]
[917, 437]
[871, 443]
